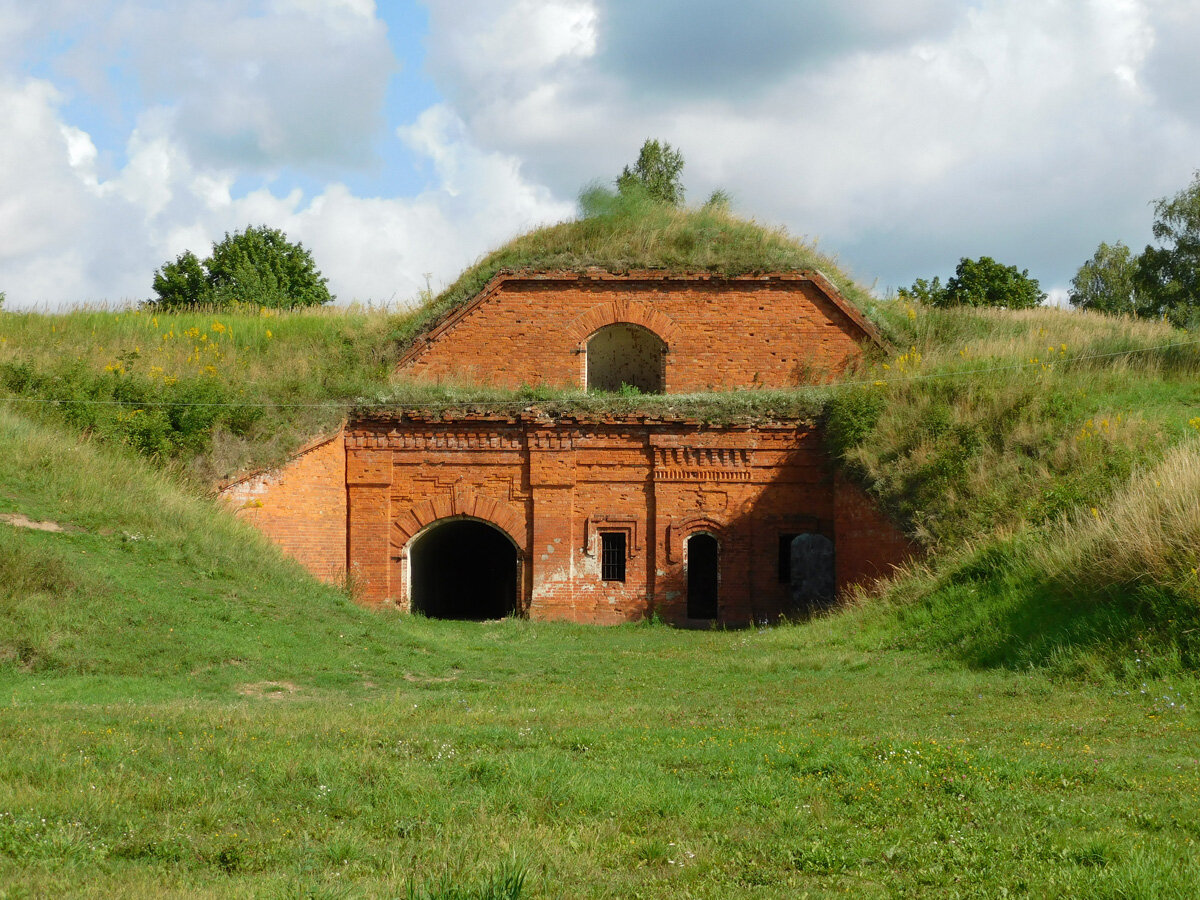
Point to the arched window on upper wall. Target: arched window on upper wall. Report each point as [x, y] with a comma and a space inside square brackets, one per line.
[629, 355]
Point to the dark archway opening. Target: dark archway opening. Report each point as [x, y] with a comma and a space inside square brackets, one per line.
[703, 573]
[464, 569]
[626, 355]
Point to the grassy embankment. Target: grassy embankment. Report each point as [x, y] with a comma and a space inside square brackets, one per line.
[186, 714]
[1054, 475]
[210, 393]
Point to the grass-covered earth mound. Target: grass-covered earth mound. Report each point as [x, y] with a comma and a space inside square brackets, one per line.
[632, 232]
[186, 713]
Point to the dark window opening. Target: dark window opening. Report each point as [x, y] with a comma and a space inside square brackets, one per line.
[626, 357]
[464, 569]
[703, 575]
[612, 556]
[785, 557]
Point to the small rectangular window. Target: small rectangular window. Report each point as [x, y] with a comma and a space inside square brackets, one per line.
[785, 557]
[612, 555]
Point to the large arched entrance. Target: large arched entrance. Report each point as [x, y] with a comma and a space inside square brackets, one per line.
[463, 569]
[703, 576]
[626, 355]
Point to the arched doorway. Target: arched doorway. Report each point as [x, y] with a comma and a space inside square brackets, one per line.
[463, 569]
[703, 576]
[629, 355]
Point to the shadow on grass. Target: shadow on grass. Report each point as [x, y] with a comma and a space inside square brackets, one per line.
[991, 615]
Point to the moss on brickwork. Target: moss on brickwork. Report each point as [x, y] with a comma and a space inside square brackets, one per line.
[623, 234]
[727, 408]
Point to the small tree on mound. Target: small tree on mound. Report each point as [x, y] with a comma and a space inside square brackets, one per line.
[1168, 276]
[656, 173]
[980, 282]
[181, 282]
[1108, 281]
[259, 266]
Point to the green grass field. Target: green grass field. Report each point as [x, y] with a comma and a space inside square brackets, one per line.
[820, 760]
[187, 713]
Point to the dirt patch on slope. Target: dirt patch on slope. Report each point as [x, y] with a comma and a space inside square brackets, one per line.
[18, 520]
[272, 690]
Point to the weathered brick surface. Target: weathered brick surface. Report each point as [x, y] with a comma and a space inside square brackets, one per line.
[301, 506]
[871, 546]
[720, 332]
[554, 486]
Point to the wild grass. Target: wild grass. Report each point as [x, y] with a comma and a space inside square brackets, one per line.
[1148, 534]
[625, 233]
[1043, 458]
[988, 421]
[186, 713]
[213, 392]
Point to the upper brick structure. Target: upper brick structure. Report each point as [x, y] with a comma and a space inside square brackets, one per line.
[658, 331]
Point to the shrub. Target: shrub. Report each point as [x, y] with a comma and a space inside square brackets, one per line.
[258, 266]
[980, 282]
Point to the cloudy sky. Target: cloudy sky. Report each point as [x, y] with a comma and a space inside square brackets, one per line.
[401, 140]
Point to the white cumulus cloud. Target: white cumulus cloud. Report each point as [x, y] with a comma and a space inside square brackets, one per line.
[1023, 129]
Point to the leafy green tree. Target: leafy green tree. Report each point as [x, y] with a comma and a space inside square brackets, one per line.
[1108, 282]
[980, 282]
[656, 173]
[258, 265]
[261, 266]
[719, 201]
[922, 291]
[1168, 276]
[182, 282]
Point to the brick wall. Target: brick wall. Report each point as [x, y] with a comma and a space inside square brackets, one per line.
[720, 332]
[301, 506]
[869, 544]
[553, 487]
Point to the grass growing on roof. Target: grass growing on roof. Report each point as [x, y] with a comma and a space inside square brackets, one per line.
[626, 232]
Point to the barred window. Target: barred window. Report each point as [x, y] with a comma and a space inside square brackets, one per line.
[612, 555]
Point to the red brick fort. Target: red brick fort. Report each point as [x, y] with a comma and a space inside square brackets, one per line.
[595, 518]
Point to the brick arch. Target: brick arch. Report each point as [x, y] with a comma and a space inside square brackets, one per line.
[622, 312]
[460, 504]
[697, 524]
[681, 529]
